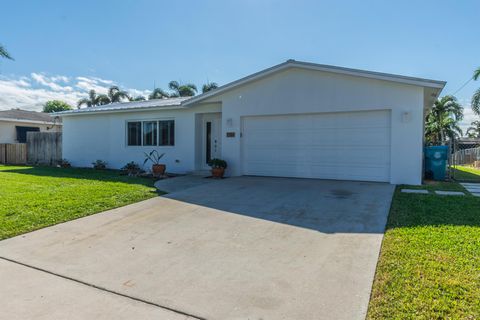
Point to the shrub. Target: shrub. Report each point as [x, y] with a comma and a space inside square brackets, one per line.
[64, 163]
[132, 168]
[99, 165]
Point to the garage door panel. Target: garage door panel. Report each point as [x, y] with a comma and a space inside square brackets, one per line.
[338, 136]
[336, 154]
[351, 146]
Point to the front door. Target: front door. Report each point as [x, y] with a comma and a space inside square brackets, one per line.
[212, 130]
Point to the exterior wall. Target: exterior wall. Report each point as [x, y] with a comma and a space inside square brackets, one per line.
[8, 133]
[306, 91]
[89, 137]
[293, 91]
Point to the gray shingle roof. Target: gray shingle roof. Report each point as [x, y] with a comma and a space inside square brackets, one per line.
[18, 114]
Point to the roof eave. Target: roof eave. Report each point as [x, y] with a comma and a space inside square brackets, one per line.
[30, 121]
[78, 113]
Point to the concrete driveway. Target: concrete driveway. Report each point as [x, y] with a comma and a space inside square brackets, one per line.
[239, 248]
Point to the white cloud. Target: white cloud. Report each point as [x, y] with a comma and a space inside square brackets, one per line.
[31, 93]
[51, 82]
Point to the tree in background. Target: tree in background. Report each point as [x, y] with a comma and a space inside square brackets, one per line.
[116, 95]
[158, 93]
[137, 98]
[182, 90]
[476, 95]
[56, 106]
[4, 53]
[474, 130]
[209, 86]
[442, 120]
[93, 100]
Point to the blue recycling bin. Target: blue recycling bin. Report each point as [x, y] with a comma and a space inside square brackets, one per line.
[436, 162]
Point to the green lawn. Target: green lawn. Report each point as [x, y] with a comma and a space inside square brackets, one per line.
[36, 197]
[429, 266]
[463, 173]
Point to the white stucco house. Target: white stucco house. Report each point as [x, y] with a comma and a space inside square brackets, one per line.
[295, 119]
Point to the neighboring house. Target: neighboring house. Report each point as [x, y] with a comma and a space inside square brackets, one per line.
[15, 123]
[467, 143]
[295, 119]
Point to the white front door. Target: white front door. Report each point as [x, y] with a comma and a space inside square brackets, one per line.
[212, 137]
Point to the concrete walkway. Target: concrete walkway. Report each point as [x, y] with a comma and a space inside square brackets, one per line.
[473, 188]
[181, 183]
[246, 248]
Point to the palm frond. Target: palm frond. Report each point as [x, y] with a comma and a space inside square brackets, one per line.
[209, 86]
[4, 53]
[173, 85]
[476, 74]
[476, 102]
[83, 101]
[158, 93]
[191, 86]
[102, 99]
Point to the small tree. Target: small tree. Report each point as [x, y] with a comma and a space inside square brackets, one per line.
[56, 106]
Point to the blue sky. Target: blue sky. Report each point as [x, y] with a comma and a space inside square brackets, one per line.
[76, 44]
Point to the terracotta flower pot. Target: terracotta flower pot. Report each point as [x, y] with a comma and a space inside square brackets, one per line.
[218, 172]
[158, 169]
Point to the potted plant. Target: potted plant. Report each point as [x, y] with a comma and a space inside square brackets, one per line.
[158, 169]
[218, 167]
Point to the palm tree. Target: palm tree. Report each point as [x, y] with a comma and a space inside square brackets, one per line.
[448, 127]
[158, 93]
[4, 53]
[116, 95]
[182, 90]
[93, 100]
[209, 86]
[476, 95]
[442, 120]
[474, 130]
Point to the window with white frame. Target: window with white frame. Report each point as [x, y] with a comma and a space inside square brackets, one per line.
[151, 133]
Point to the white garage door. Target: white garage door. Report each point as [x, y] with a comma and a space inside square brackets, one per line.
[343, 146]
